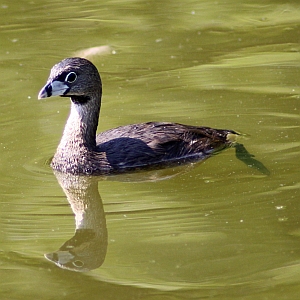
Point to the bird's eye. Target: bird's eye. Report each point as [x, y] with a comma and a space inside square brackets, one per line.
[71, 77]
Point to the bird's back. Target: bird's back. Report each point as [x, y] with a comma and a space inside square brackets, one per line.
[154, 143]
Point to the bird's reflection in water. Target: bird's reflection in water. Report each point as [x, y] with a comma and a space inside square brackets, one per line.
[86, 250]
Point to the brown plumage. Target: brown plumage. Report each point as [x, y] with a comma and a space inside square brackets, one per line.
[124, 148]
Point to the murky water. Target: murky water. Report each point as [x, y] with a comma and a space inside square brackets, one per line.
[218, 229]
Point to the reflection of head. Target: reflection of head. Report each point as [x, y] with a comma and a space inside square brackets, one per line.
[83, 252]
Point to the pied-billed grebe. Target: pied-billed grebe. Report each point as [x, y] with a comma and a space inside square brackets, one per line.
[124, 148]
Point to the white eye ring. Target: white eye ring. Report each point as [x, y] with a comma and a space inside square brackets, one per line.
[71, 77]
[78, 263]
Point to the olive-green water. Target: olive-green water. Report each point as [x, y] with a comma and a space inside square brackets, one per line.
[217, 230]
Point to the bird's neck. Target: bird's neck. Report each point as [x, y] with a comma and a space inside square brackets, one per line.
[80, 129]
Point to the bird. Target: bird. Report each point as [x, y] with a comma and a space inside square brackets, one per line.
[133, 147]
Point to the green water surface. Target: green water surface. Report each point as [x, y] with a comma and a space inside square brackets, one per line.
[217, 230]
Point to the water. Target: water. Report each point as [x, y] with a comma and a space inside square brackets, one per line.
[218, 229]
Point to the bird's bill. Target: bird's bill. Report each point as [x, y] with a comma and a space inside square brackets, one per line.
[54, 88]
